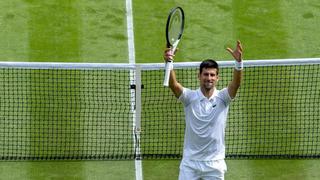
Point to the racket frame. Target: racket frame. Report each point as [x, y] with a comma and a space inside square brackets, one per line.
[169, 63]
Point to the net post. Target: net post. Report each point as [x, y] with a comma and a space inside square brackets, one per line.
[138, 99]
[137, 123]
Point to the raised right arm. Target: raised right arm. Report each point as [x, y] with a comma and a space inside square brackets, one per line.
[174, 85]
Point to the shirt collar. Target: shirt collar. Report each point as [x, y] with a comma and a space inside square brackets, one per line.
[202, 97]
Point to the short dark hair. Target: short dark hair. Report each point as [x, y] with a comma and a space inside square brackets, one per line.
[209, 63]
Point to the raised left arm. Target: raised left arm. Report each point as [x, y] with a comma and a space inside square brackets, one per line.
[237, 72]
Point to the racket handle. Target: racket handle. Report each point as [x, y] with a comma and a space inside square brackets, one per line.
[168, 68]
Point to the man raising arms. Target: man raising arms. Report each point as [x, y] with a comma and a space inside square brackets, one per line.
[206, 112]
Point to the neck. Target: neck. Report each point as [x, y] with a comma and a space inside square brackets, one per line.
[207, 92]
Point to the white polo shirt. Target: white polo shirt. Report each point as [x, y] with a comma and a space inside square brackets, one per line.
[205, 124]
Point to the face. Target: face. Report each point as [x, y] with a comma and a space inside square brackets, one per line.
[208, 78]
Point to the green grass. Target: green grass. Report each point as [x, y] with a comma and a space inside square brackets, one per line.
[95, 31]
[242, 169]
[63, 31]
[67, 170]
[268, 29]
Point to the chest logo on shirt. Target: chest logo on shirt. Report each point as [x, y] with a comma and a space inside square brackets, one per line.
[214, 105]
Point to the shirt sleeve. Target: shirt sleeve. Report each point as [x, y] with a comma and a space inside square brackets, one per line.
[185, 96]
[224, 95]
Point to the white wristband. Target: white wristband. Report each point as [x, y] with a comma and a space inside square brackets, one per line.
[238, 65]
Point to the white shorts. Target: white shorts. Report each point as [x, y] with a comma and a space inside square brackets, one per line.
[204, 170]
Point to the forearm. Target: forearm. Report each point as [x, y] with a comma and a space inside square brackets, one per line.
[174, 85]
[237, 72]
[235, 83]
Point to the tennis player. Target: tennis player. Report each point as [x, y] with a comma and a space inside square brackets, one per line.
[206, 112]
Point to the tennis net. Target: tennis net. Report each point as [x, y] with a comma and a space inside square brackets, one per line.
[58, 111]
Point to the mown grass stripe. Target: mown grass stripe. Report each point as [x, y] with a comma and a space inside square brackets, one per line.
[54, 36]
[260, 27]
[54, 31]
[13, 31]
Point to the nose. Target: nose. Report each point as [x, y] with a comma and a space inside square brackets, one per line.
[211, 77]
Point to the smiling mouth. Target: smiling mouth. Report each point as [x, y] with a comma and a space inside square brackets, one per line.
[209, 85]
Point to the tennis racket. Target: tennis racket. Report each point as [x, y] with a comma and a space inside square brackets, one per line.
[174, 30]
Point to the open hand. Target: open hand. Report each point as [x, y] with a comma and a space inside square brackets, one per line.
[236, 53]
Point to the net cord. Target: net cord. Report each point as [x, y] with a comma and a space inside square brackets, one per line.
[152, 66]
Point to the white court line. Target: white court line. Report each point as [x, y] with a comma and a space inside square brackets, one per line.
[130, 32]
[136, 119]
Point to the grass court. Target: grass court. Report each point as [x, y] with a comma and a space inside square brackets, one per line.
[96, 31]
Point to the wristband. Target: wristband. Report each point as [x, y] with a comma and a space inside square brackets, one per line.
[238, 65]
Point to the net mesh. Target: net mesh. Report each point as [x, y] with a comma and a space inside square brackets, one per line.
[65, 114]
[275, 115]
[58, 114]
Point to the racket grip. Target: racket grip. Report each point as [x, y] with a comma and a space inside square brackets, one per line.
[168, 68]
